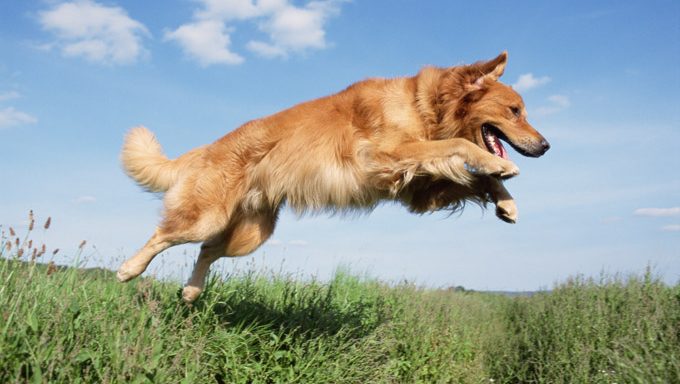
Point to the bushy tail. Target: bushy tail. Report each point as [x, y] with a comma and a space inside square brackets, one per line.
[144, 161]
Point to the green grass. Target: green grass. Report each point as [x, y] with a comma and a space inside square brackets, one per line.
[70, 325]
[612, 330]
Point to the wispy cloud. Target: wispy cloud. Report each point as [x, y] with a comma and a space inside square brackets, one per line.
[85, 199]
[612, 219]
[294, 243]
[527, 81]
[298, 243]
[290, 28]
[657, 212]
[560, 101]
[671, 228]
[9, 95]
[99, 33]
[10, 117]
[556, 104]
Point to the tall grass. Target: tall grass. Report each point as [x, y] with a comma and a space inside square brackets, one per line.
[611, 330]
[71, 325]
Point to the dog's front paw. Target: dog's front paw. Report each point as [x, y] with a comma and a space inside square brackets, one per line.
[506, 210]
[506, 169]
[494, 166]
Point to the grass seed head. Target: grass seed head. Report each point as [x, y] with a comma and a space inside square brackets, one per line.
[48, 222]
[11, 232]
[82, 244]
[20, 252]
[55, 251]
[31, 220]
[51, 268]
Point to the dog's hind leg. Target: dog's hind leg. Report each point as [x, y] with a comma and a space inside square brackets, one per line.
[137, 264]
[241, 238]
[180, 226]
[210, 252]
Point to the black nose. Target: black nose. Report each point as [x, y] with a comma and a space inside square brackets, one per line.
[545, 145]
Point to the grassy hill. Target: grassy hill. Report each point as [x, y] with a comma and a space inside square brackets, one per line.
[69, 325]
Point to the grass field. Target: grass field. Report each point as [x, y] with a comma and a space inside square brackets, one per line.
[71, 325]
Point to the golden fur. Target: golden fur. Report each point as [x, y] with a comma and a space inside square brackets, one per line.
[417, 140]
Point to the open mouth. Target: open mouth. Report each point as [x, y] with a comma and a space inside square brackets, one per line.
[492, 138]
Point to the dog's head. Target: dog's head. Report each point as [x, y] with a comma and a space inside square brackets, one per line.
[481, 109]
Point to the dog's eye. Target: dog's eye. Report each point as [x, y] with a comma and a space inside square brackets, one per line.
[515, 111]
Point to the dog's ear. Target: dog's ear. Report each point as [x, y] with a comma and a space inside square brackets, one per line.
[486, 70]
[494, 68]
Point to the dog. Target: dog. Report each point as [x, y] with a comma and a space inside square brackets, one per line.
[431, 142]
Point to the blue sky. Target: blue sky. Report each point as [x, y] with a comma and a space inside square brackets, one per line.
[600, 79]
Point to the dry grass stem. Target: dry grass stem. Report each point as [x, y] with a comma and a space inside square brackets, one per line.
[31, 220]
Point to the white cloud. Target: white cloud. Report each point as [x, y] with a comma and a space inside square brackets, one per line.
[10, 117]
[527, 81]
[98, 33]
[293, 29]
[557, 104]
[290, 28]
[207, 41]
[10, 95]
[86, 199]
[671, 228]
[658, 212]
[229, 9]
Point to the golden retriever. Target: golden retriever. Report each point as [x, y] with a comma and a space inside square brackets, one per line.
[431, 142]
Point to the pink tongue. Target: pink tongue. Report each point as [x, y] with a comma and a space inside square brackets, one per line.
[500, 149]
